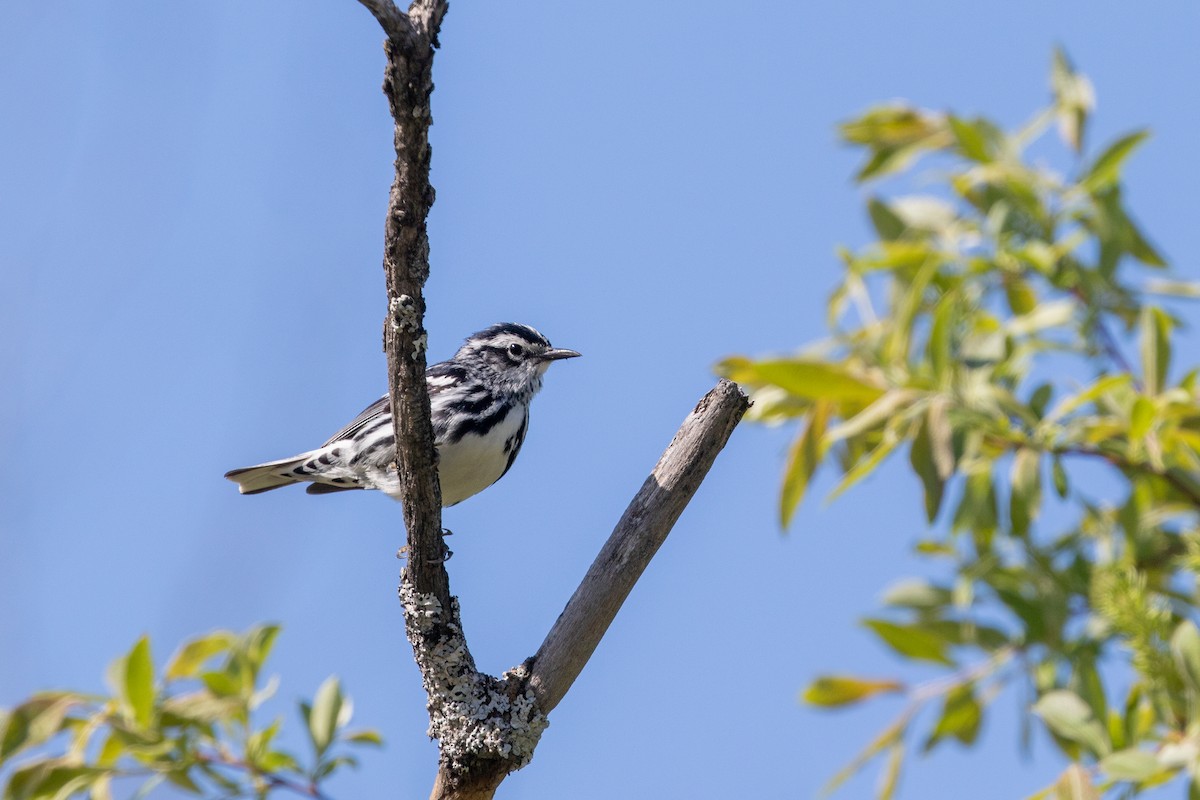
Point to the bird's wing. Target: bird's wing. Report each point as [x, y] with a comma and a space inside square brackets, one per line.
[438, 378]
[369, 414]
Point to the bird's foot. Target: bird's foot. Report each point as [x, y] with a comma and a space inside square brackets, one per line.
[447, 553]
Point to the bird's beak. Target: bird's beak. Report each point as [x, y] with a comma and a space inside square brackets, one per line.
[554, 354]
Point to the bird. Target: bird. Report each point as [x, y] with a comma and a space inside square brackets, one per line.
[479, 402]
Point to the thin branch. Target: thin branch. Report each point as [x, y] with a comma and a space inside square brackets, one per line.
[1108, 342]
[1175, 477]
[219, 759]
[635, 540]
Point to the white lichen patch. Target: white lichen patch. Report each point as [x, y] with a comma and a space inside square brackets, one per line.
[403, 311]
[470, 713]
[420, 344]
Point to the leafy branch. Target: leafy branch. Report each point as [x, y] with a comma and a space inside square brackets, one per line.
[192, 726]
[978, 332]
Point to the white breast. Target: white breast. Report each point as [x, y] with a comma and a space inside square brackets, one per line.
[475, 462]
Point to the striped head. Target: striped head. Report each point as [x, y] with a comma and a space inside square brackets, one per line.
[511, 357]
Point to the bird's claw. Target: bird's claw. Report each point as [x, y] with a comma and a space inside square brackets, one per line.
[447, 553]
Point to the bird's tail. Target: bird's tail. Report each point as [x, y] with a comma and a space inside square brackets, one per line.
[268, 476]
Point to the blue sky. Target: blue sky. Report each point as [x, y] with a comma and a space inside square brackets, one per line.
[190, 237]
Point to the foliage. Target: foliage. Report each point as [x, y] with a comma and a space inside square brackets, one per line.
[191, 726]
[983, 332]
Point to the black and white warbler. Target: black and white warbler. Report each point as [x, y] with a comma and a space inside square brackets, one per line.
[480, 411]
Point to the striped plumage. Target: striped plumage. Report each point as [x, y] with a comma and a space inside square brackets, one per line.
[480, 411]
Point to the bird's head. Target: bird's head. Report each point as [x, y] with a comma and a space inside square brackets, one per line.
[515, 356]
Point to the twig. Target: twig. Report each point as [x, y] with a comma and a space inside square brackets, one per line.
[1171, 476]
[1108, 342]
[219, 759]
[1174, 477]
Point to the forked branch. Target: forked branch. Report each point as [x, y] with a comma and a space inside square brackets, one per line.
[486, 726]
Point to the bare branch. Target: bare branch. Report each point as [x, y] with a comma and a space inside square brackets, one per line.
[395, 23]
[487, 727]
[408, 83]
[426, 16]
[635, 540]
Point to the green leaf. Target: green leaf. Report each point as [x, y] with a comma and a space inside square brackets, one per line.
[1099, 389]
[1026, 497]
[814, 380]
[35, 721]
[1046, 315]
[1106, 169]
[1140, 248]
[323, 716]
[941, 346]
[891, 773]
[1076, 784]
[881, 411]
[1067, 715]
[803, 461]
[976, 139]
[1022, 299]
[887, 223]
[977, 511]
[890, 736]
[259, 742]
[1059, 473]
[279, 761]
[867, 464]
[1174, 288]
[50, 779]
[941, 436]
[1040, 399]
[960, 717]
[1073, 100]
[917, 593]
[1130, 765]
[1185, 648]
[182, 779]
[368, 736]
[911, 641]
[1155, 343]
[831, 691]
[1141, 418]
[195, 653]
[921, 456]
[222, 684]
[258, 643]
[137, 685]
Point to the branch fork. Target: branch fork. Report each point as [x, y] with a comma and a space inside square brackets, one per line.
[487, 726]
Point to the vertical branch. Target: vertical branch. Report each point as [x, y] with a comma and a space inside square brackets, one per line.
[462, 703]
[408, 84]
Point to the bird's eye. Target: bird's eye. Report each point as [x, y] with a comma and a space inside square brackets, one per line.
[516, 350]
